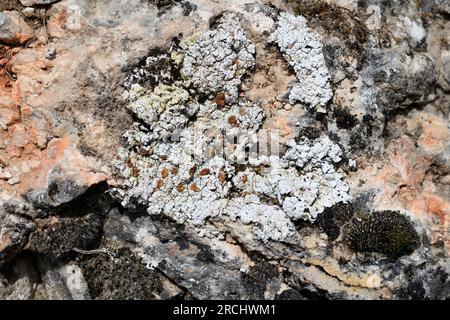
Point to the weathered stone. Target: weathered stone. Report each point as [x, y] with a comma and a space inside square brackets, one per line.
[63, 111]
[14, 232]
[13, 28]
[30, 3]
[20, 282]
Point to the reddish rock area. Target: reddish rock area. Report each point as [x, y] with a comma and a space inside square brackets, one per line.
[32, 144]
[414, 175]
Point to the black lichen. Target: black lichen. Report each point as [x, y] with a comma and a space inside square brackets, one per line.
[289, 294]
[157, 68]
[387, 232]
[165, 5]
[256, 280]
[333, 218]
[124, 278]
[361, 134]
[77, 224]
[344, 119]
[425, 281]
[188, 8]
[205, 254]
[310, 126]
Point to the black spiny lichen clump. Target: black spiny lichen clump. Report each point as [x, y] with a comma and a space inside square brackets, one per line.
[332, 219]
[388, 232]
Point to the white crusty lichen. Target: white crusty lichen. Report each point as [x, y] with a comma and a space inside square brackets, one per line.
[196, 160]
[177, 180]
[304, 182]
[164, 110]
[302, 49]
[219, 58]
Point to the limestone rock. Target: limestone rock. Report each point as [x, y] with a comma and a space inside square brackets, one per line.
[125, 173]
[30, 3]
[13, 28]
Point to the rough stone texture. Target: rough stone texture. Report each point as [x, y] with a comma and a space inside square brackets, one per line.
[30, 3]
[13, 28]
[84, 84]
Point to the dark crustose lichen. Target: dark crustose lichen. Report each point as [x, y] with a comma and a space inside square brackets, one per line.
[388, 232]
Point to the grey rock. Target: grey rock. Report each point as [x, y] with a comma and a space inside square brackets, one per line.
[14, 232]
[29, 3]
[21, 280]
[445, 59]
[436, 6]
[210, 279]
[58, 191]
[13, 28]
[63, 239]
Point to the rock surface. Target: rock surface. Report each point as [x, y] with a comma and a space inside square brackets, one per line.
[361, 209]
[30, 3]
[13, 28]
